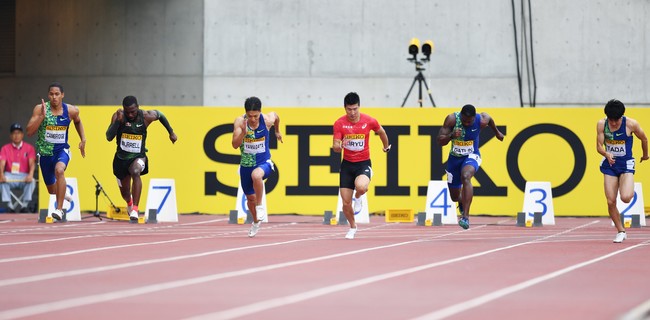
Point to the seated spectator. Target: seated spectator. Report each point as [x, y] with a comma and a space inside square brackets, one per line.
[18, 161]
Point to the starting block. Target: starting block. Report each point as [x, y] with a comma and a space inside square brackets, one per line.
[537, 219]
[422, 218]
[437, 219]
[327, 217]
[343, 221]
[232, 218]
[399, 215]
[152, 217]
[521, 219]
[43, 218]
[117, 213]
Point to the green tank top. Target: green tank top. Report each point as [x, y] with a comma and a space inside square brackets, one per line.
[132, 138]
[53, 131]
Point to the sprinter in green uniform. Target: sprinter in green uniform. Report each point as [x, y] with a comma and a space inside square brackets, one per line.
[129, 125]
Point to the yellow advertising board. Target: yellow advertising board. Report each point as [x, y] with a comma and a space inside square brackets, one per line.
[541, 144]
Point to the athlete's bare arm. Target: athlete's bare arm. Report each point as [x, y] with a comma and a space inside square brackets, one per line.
[445, 133]
[600, 141]
[487, 121]
[38, 115]
[239, 131]
[384, 138]
[274, 121]
[639, 133]
[73, 113]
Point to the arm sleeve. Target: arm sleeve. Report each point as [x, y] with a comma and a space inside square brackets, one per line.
[164, 122]
[112, 130]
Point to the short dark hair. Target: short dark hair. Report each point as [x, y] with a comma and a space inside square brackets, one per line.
[55, 85]
[129, 100]
[468, 110]
[253, 104]
[351, 98]
[614, 109]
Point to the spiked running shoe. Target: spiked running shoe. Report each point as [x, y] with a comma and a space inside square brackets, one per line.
[133, 216]
[464, 223]
[351, 233]
[357, 205]
[57, 214]
[620, 237]
[255, 227]
[261, 213]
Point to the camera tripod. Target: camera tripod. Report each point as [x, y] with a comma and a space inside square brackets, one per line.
[419, 78]
[98, 189]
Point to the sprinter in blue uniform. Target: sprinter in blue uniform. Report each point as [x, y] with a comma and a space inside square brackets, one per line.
[462, 129]
[251, 136]
[614, 143]
[51, 120]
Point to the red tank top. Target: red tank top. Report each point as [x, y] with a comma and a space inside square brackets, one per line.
[356, 136]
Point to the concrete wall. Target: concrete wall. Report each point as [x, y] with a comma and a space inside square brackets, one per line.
[312, 52]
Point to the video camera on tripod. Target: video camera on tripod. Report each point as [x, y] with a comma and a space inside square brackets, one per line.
[427, 49]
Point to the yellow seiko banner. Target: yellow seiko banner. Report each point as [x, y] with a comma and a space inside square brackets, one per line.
[550, 144]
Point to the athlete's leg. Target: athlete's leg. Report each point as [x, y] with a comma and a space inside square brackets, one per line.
[125, 189]
[346, 200]
[251, 203]
[60, 186]
[135, 169]
[258, 184]
[611, 190]
[361, 183]
[626, 186]
[467, 193]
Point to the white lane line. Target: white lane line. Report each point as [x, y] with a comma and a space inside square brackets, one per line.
[71, 273]
[299, 297]
[478, 301]
[69, 253]
[121, 294]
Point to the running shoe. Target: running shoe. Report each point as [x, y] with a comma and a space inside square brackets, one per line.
[67, 197]
[133, 216]
[261, 213]
[351, 233]
[357, 205]
[57, 214]
[464, 222]
[620, 237]
[255, 227]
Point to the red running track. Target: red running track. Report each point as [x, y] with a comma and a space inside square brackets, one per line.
[298, 268]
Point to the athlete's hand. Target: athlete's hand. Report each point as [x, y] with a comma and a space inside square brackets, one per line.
[456, 133]
[278, 135]
[499, 135]
[43, 108]
[644, 158]
[610, 158]
[120, 115]
[387, 148]
[82, 148]
[173, 137]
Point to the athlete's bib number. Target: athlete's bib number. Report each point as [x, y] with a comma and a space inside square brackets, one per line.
[463, 148]
[254, 147]
[55, 134]
[131, 143]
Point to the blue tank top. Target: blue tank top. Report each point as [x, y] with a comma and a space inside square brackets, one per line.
[467, 143]
[618, 143]
[53, 131]
[255, 148]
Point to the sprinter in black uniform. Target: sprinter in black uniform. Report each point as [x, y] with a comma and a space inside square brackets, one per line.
[129, 125]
